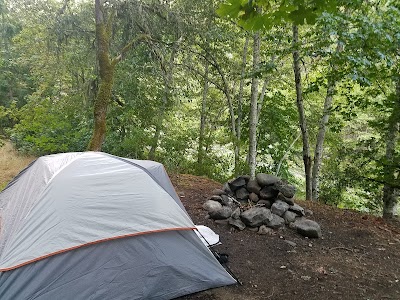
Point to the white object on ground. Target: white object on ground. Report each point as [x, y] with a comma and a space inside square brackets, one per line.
[207, 236]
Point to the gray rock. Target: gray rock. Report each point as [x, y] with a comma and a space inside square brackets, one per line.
[254, 229]
[279, 207]
[266, 179]
[227, 189]
[297, 209]
[216, 198]
[308, 212]
[289, 216]
[242, 194]
[268, 192]
[246, 178]
[256, 216]
[282, 197]
[237, 183]
[226, 200]
[236, 213]
[265, 230]
[265, 203]
[253, 197]
[222, 221]
[211, 205]
[238, 224]
[253, 187]
[308, 228]
[276, 222]
[286, 189]
[218, 192]
[223, 213]
[293, 244]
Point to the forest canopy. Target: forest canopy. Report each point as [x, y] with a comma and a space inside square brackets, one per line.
[307, 90]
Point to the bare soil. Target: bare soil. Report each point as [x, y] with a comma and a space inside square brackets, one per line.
[357, 258]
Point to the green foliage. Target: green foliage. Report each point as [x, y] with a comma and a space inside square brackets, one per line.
[264, 14]
[50, 126]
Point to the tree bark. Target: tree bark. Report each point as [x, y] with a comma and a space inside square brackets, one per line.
[253, 118]
[239, 109]
[106, 68]
[321, 137]
[390, 193]
[201, 152]
[300, 108]
[167, 71]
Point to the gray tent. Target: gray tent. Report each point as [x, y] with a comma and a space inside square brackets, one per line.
[91, 225]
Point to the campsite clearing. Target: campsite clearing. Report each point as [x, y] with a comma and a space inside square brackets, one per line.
[357, 258]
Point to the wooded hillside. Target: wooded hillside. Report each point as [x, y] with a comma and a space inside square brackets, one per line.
[307, 90]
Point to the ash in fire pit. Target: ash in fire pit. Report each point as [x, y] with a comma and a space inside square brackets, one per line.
[267, 201]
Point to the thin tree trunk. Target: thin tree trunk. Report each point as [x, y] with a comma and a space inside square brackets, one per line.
[201, 152]
[253, 120]
[321, 137]
[390, 196]
[167, 74]
[239, 109]
[318, 152]
[302, 117]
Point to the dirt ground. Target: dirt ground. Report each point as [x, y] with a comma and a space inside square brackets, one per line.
[357, 258]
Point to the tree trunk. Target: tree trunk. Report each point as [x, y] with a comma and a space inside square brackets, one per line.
[390, 195]
[167, 70]
[302, 117]
[239, 109]
[253, 120]
[201, 152]
[321, 137]
[106, 69]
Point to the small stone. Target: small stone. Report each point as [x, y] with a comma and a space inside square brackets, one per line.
[256, 216]
[297, 209]
[226, 200]
[212, 205]
[265, 203]
[282, 197]
[266, 179]
[254, 229]
[265, 230]
[216, 198]
[289, 216]
[237, 184]
[236, 213]
[227, 189]
[218, 192]
[286, 189]
[279, 207]
[222, 221]
[293, 244]
[253, 187]
[238, 224]
[223, 213]
[306, 278]
[276, 222]
[308, 228]
[308, 212]
[268, 192]
[253, 197]
[242, 194]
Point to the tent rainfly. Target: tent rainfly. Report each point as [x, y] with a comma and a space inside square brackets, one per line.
[89, 225]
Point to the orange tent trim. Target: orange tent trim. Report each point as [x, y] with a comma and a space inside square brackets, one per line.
[92, 243]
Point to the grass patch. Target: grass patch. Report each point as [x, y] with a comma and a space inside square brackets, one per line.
[11, 163]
